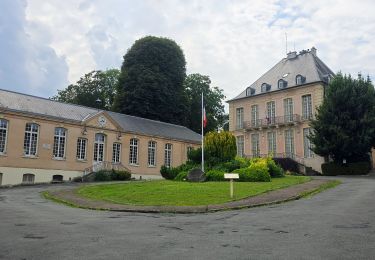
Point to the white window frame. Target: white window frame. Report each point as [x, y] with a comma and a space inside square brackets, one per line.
[133, 151]
[288, 110]
[4, 126]
[240, 145]
[254, 115]
[99, 148]
[81, 149]
[255, 148]
[116, 152]
[307, 152]
[239, 118]
[271, 112]
[151, 154]
[168, 155]
[28, 178]
[271, 141]
[31, 140]
[307, 107]
[289, 143]
[59, 143]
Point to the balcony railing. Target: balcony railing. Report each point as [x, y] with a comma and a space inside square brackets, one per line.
[272, 121]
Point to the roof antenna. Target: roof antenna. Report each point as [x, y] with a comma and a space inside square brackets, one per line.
[286, 43]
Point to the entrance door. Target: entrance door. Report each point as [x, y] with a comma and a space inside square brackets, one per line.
[99, 151]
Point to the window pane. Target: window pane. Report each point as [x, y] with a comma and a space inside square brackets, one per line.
[3, 135]
[240, 146]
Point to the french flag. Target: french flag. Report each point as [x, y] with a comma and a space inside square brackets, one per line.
[204, 117]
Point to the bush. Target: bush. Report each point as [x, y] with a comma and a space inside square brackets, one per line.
[274, 169]
[103, 175]
[357, 168]
[229, 166]
[220, 146]
[195, 156]
[182, 176]
[215, 175]
[120, 175]
[257, 171]
[169, 173]
[287, 164]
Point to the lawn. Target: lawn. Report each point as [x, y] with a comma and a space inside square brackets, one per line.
[176, 193]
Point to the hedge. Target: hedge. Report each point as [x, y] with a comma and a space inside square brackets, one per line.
[357, 168]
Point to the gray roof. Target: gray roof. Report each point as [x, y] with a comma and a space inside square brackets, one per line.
[45, 107]
[306, 64]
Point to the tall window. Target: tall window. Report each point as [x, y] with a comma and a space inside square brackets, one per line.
[271, 112]
[289, 143]
[306, 107]
[288, 110]
[3, 135]
[81, 148]
[116, 153]
[255, 145]
[254, 115]
[240, 146]
[168, 155]
[271, 139]
[133, 152]
[31, 139]
[239, 118]
[307, 143]
[59, 143]
[151, 153]
[99, 147]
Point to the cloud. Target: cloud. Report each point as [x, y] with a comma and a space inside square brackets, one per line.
[232, 41]
[27, 63]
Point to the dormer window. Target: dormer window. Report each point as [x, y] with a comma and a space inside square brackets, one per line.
[300, 79]
[265, 87]
[282, 84]
[250, 91]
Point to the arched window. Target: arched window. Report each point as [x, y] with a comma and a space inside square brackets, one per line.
[265, 87]
[99, 147]
[168, 155]
[57, 178]
[282, 84]
[3, 135]
[59, 143]
[133, 151]
[28, 178]
[151, 153]
[30, 143]
[250, 91]
[300, 79]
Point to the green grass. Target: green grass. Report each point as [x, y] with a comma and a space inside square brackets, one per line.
[162, 193]
[323, 187]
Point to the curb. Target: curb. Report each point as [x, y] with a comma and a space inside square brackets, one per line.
[68, 197]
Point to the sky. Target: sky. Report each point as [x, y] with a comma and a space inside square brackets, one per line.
[46, 45]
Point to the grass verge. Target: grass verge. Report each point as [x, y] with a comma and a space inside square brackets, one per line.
[323, 187]
[173, 193]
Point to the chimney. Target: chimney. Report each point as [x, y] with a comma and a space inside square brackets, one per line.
[313, 51]
[291, 55]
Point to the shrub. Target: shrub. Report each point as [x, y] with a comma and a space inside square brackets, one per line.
[220, 146]
[169, 173]
[274, 169]
[120, 175]
[182, 176]
[215, 175]
[230, 166]
[257, 171]
[195, 156]
[287, 164]
[357, 168]
[103, 175]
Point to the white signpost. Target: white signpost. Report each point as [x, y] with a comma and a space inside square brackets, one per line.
[231, 177]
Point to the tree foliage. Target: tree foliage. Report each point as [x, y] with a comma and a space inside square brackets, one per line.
[195, 85]
[93, 87]
[345, 123]
[220, 146]
[151, 81]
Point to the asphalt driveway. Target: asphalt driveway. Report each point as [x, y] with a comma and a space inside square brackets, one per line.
[336, 224]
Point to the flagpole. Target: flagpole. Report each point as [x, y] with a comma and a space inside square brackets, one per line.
[202, 134]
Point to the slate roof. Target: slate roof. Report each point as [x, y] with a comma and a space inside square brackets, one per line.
[306, 63]
[19, 102]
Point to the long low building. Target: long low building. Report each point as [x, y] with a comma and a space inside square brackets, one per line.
[43, 140]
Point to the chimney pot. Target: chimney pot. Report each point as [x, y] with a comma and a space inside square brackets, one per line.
[313, 51]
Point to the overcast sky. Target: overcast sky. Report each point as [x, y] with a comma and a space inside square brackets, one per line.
[45, 45]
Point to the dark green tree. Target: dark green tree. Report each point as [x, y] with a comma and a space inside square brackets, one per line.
[194, 85]
[95, 89]
[345, 123]
[151, 81]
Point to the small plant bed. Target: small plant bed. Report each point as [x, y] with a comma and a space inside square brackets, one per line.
[176, 193]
